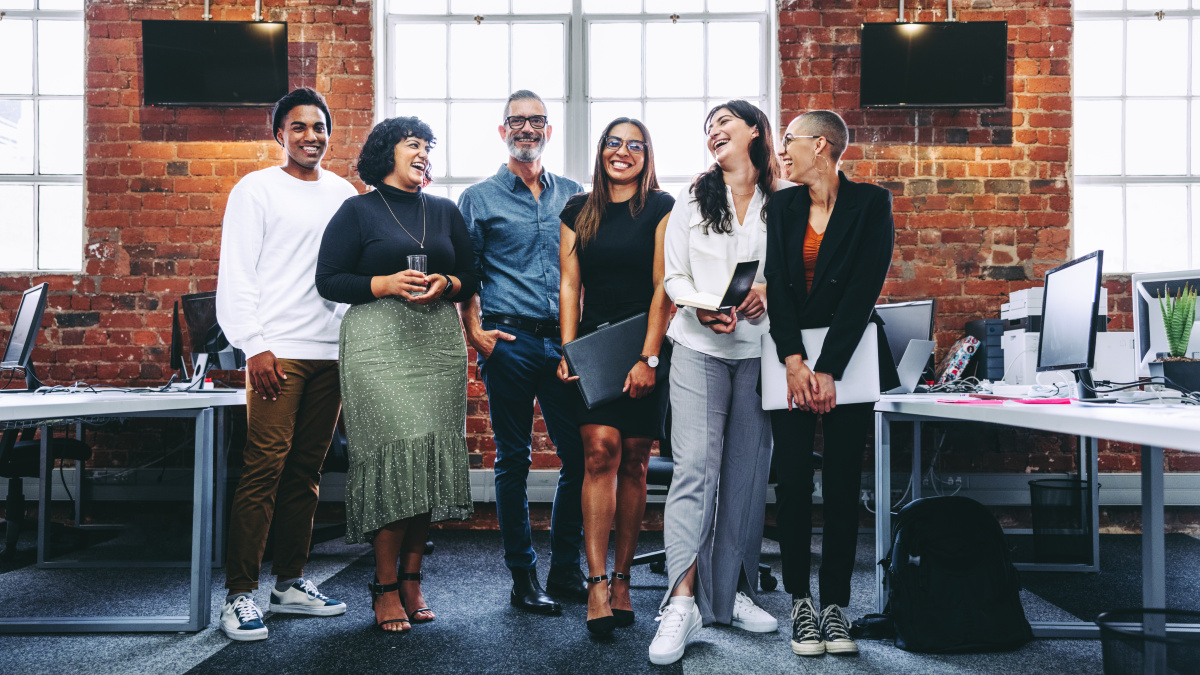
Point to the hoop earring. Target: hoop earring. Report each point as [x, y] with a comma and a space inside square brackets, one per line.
[815, 166]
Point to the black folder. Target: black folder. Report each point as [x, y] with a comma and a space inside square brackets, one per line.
[603, 358]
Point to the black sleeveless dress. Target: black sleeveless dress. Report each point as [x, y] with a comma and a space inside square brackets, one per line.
[617, 273]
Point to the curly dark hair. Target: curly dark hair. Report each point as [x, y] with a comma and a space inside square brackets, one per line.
[378, 156]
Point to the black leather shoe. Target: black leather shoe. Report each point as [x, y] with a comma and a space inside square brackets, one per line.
[527, 594]
[566, 582]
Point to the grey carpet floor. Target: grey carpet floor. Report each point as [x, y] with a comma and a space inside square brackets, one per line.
[478, 632]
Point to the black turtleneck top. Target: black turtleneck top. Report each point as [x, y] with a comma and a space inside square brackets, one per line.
[364, 240]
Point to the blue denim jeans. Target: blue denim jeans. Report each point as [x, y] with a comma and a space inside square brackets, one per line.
[515, 374]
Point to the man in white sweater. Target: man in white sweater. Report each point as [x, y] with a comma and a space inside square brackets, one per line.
[268, 306]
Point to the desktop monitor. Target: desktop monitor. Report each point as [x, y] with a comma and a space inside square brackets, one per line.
[205, 336]
[1070, 305]
[905, 321]
[26, 326]
[1149, 335]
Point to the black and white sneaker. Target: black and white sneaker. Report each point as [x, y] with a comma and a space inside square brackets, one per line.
[302, 597]
[242, 620]
[835, 628]
[806, 633]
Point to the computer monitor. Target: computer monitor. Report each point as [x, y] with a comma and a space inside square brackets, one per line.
[18, 353]
[210, 349]
[905, 321]
[1149, 335]
[1070, 305]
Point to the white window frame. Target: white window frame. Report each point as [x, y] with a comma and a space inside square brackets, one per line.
[1123, 180]
[38, 179]
[577, 141]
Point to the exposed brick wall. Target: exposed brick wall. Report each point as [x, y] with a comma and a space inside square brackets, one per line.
[157, 180]
[982, 198]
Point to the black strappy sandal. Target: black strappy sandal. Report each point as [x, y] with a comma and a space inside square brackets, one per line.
[602, 625]
[412, 616]
[377, 589]
[623, 617]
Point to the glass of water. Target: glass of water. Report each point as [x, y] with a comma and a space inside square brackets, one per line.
[417, 263]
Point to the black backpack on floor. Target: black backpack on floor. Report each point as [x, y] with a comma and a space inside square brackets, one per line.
[951, 583]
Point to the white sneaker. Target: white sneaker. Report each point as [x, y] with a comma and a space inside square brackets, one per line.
[835, 628]
[242, 620]
[749, 616]
[806, 634]
[302, 597]
[676, 626]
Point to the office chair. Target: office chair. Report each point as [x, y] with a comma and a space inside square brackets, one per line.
[20, 455]
[659, 472]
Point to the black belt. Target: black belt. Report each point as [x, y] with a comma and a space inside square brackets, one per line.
[542, 329]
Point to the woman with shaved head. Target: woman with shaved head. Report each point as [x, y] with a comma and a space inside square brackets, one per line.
[829, 247]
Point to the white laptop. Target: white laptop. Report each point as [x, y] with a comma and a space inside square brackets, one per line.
[859, 383]
[912, 364]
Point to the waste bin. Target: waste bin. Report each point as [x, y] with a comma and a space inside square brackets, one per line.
[1136, 641]
[1062, 530]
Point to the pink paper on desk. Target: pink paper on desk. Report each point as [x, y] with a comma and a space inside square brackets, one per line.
[971, 401]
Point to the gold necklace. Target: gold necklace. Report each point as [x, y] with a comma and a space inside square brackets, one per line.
[741, 194]
[420, 241]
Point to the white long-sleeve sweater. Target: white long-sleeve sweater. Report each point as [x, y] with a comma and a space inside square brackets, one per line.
[266, 284]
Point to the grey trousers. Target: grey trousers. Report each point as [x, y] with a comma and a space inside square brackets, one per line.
[721, 444]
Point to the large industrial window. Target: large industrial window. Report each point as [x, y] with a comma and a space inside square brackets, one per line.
[453, 63]
[41, 135]
[1137, 133]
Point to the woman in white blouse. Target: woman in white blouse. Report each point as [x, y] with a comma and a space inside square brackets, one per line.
[720, 435]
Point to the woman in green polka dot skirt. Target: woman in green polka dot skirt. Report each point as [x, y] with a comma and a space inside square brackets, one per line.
[403, 361]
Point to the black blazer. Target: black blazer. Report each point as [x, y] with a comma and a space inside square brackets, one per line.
[853, 261]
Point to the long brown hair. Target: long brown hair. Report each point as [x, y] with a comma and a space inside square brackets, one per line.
[709, 187]
[588, 221]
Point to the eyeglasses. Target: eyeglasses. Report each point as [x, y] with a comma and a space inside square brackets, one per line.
[517, 121]
[788, 138]
[614, 143]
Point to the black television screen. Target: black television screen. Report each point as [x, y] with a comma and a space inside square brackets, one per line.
[228, 63]
[926, 65]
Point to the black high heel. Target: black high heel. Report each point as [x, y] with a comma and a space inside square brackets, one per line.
[412, 616]
[622, 617]
[602, 625]
[377, 589]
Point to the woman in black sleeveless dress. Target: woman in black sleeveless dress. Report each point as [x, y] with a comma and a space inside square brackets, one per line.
[612, 247]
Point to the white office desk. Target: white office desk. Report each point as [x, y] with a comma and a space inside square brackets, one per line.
[1152, 427]
[46, 408]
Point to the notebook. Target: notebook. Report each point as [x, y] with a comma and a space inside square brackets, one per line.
[859, 383]
[735, 292]
[912, 364]
[603, 358]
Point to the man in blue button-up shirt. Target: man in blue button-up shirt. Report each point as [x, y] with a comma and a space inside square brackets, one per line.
[513, 218]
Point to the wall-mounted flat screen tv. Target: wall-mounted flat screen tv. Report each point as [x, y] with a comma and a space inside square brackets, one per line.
[214, 63]
[948, 64]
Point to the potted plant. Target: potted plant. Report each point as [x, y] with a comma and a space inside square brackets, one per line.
[1179, 314]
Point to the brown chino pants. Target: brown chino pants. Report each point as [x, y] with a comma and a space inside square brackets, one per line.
[286, 442]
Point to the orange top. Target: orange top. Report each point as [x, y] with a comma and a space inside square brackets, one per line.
[812, 244]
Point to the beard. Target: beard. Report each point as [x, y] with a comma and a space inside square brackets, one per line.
[526, 154]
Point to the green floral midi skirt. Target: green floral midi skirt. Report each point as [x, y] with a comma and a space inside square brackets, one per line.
[403, 371]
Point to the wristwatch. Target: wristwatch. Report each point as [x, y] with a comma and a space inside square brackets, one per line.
[449, 286]
[651, 361]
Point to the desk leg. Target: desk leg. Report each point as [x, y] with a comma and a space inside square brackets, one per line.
[883, 502]
[221, 471]
[916, 460]
[45, 498]
[78, 480]
[202, 523]
[1154, 568]
[1093, 464]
